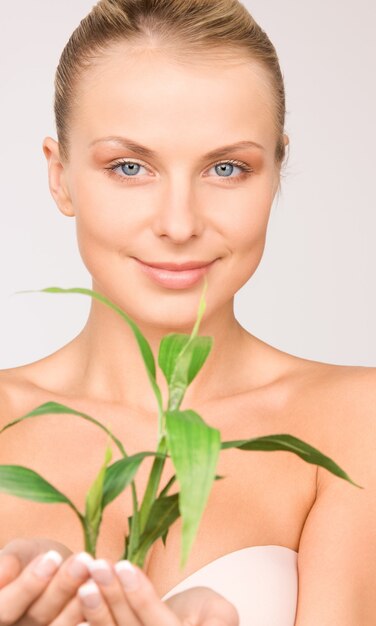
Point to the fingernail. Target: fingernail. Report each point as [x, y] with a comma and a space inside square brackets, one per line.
[79, 566]
[48, 564]
[128, 575]
[90, 595]
[101, 572]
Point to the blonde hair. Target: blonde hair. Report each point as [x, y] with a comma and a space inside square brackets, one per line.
[222, 27]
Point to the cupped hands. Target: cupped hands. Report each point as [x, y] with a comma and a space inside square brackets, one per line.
[42, 583]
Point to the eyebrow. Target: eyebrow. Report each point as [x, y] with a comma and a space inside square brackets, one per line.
[129, 144]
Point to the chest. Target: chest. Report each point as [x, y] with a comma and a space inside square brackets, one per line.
[263, 498]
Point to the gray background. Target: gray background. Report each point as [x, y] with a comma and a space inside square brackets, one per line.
[313, 294]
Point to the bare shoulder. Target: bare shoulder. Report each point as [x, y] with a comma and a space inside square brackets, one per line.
[17, 392]
[338, 543]
[335, 388]
[338, 403]
[5, 395]
[346, 392]
[352, 398]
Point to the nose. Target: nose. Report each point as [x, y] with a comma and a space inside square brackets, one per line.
[178, 215]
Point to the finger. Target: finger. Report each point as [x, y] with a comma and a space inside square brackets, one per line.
[232, 619]
[218, 611]
[28, 549]
[71, 615]
[62, 588]
[18, 553]
[15, 555]
[16, 597]
[143, 598]
[94, 608]
[25, 550]
[104, 575]
[204, 606]
[10, 567]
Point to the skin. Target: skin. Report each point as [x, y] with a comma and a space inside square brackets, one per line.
[29, 598]
[177, 208]
[180, 208]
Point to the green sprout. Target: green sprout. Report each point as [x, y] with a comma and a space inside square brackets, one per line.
[193, 446]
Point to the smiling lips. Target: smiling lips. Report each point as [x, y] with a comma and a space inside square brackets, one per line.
[176, 275]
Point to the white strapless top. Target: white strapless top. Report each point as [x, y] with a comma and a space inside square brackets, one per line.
[261, 582]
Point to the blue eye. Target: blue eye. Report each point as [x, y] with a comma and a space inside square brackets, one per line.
[126, 170]
[129, 168]
[225, 169]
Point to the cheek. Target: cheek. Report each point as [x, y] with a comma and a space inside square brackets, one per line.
[247, 220]
[246, 228]
[105, 220]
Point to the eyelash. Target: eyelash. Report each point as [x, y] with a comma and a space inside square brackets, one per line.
[246, 170]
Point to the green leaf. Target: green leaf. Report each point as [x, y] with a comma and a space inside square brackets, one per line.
[164, 512]
[120, 474]
[146, 352]
[25, 483]
[50, 408]
[194, 447]
[201, 308]
[187, 364]
[94, 498]
[290, 444]
[182, 356]
[169, 349]
[181, 371]
[168, 486]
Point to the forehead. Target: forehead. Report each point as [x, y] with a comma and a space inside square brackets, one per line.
[155, 98]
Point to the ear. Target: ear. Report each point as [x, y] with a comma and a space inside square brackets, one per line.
[57, 177]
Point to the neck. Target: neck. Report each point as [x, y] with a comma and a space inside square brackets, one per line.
[112, 370]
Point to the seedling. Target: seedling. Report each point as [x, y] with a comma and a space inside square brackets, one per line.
[193, 446]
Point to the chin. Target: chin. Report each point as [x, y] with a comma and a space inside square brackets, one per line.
[178, 317]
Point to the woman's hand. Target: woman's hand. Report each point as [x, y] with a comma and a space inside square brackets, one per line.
[38, 579]
[123, 595]
[18, 553]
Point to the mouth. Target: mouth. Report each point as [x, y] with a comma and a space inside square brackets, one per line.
[176, 275]
[177, 267]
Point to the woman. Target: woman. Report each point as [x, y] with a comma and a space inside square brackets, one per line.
[159, 189]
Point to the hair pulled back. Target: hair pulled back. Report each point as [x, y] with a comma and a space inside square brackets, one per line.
[186, 28]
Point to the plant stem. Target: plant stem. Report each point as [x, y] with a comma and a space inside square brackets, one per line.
[138, 558]
[90, 546]
[134, 532]
[153, 483]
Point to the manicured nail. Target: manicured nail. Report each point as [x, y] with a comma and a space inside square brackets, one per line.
[48, 564]
[79, 566]
[90, 595]
[101, 572]
[128, 575]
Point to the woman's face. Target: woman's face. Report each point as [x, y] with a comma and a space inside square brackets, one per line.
[171, 200]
